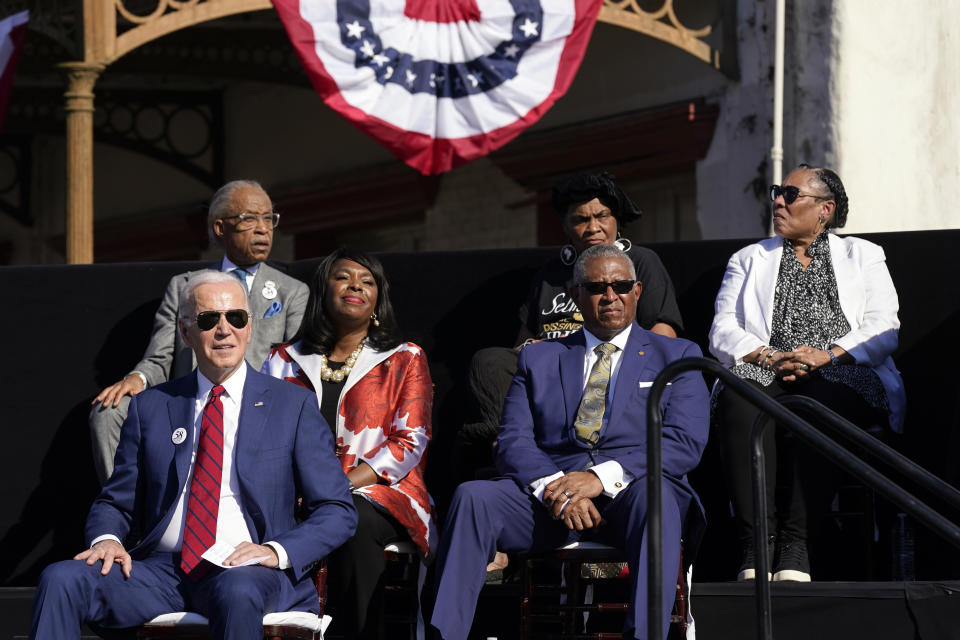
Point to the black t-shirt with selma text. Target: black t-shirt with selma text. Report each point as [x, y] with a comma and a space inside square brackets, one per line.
[549, 312]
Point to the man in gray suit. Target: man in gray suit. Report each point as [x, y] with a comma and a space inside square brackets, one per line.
[241, 221]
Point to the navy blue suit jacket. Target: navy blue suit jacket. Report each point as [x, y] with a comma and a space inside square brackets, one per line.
[537, 437]
[284, 450]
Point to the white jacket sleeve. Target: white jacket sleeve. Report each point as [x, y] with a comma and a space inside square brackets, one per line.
[729, 340]
[876, 325]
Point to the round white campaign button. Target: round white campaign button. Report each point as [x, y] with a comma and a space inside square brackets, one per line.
[179, 436]
[269, 292]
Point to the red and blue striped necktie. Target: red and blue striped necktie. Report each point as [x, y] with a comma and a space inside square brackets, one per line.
[203, 504]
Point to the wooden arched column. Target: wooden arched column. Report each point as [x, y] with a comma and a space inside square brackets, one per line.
[103, 45]
[81, 77]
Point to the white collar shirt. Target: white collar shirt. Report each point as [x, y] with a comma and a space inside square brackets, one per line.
[590, 358]
[231, 526]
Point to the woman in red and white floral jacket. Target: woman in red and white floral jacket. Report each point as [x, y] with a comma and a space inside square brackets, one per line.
[376, 394]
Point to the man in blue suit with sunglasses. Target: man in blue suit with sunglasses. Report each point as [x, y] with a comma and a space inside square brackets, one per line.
[241, 221]
[572, 451]
[217, 458]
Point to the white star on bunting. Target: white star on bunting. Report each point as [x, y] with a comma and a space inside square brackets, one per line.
[355, 29]
[430, 99]
[529, 28]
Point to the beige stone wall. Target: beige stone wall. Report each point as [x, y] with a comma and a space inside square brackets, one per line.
[896, 86]
[478, 207]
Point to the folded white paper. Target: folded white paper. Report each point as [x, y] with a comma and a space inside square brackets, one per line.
[221, 550]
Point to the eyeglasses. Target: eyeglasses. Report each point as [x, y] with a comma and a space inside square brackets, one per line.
[207, 320]
[619, 287]
[790, 193]
[247, 220]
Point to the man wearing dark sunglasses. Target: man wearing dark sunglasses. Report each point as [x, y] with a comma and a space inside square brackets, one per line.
[572, 448]
[217, 457]
[241, 220]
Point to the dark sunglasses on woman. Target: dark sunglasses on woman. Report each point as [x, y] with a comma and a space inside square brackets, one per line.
[790, 193]
[207, 320]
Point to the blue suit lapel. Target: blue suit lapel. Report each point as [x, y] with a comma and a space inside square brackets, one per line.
[254, 409]
[633, 363]
[180, 409]
[571, 380]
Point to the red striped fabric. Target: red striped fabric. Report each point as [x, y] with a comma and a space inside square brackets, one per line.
[203, 504]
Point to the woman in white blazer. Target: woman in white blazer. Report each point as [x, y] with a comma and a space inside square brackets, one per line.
[808, 313]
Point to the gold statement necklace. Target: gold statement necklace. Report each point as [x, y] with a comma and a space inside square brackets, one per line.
[327, 374]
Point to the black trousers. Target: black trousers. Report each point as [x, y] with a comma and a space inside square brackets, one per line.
[491, 371]
[800, 483]
[356, 572]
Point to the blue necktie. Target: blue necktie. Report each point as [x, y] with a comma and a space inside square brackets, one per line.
[241, 276]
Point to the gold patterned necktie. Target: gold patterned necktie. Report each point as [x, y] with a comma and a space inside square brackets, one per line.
[594, 400]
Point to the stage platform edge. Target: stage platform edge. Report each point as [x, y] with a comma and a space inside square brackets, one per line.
[801, 611]
[722, 610]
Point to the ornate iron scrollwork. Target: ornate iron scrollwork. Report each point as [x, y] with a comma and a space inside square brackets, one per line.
[663, 24]
[183, 129]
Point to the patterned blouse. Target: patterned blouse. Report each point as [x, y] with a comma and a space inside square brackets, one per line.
[385, 420]
[806, 311]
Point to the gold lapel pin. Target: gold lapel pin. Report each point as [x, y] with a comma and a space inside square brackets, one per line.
[639, 353]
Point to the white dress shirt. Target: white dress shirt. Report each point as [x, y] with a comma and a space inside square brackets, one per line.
[612, 475]
[231, 526]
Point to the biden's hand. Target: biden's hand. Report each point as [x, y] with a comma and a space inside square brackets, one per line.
[247, 551]
[110, 551]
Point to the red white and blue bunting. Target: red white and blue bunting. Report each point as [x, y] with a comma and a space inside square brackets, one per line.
[13, 29]
[440, 82]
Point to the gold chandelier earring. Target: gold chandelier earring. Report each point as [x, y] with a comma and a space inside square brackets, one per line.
[373, 319]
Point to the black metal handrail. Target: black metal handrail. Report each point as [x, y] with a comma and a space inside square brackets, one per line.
[876, 448]
[771, 409]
